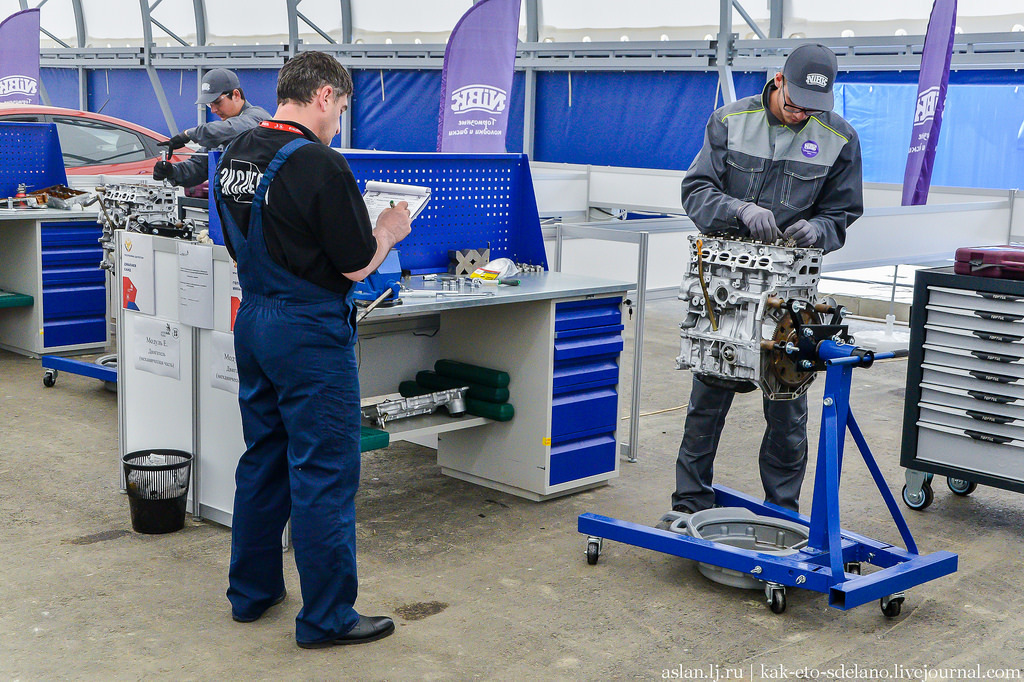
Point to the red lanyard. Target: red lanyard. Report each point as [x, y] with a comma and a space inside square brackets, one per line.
[274, 125]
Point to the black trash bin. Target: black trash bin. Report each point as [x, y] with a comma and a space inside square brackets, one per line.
[157, 483]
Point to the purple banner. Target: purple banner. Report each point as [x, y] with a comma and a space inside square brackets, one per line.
[931, 98]
[19, 58]
[477, 78]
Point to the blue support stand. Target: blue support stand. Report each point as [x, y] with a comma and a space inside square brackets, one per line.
[821, 564]
[53, 364]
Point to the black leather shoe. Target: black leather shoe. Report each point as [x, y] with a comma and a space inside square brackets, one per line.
[368, 629]
[241, 619]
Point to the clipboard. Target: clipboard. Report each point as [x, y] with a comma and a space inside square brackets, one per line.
[381, 195]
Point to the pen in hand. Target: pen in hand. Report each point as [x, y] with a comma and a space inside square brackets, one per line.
[392, 203]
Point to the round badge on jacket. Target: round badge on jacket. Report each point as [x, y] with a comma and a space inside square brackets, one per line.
[809, 149]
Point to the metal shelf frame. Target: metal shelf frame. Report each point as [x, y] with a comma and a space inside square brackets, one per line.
[723, 54]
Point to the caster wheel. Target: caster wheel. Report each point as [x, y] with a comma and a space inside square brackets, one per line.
[961, 487]
[777, 601]
[920, 500]
[852, 567]
[593, 551]
[50, 378]
[891, 606]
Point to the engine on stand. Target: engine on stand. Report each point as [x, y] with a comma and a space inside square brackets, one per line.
[752, 316]
[145, 208]
[753, 319]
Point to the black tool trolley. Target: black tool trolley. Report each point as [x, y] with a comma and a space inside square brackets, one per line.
[964, 411]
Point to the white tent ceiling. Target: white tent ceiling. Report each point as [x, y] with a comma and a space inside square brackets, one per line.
[119, 22]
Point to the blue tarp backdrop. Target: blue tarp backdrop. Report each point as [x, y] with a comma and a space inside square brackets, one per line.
[644, 119]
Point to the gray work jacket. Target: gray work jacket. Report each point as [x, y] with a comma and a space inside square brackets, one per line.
[809, 172]
[215, 135]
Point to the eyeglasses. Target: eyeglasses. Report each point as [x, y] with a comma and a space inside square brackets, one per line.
[794, 109]
[216, 102]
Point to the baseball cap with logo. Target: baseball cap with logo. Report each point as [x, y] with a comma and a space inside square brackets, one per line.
[215, 83]
[810, 72]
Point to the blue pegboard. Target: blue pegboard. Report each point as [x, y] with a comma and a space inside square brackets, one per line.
[30, 153]
[475, 200]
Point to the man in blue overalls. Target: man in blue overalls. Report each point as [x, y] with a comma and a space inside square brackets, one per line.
[296, 224]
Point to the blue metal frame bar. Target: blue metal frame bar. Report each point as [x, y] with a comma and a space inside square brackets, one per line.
[85, 369]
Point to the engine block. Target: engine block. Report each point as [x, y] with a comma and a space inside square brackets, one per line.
[735, 295]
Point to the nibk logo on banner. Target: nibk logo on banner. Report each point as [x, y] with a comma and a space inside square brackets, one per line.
[479, 98]
[19, 85]
[926, 104]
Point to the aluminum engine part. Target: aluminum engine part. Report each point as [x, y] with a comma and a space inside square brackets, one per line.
[454, 399]
[747, 284]
[138, 207]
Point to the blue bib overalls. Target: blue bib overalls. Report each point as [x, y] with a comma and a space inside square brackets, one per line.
[299, 399]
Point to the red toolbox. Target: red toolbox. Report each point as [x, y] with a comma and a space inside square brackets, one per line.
[1002, 262]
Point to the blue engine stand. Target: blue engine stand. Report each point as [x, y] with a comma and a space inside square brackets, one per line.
[831, 559]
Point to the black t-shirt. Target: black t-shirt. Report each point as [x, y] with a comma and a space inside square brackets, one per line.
[315, 223]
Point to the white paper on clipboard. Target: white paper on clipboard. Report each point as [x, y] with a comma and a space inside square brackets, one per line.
[381, 195]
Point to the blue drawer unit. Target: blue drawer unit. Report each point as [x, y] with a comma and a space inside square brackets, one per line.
[74, 295]
[584, 409]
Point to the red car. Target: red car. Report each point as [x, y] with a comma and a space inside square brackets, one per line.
[94, 144]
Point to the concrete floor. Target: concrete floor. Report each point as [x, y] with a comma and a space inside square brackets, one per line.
[482, 585]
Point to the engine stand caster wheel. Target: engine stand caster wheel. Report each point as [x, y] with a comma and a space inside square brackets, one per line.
[775, 595]
[852, 567]
[959, 486]
[920, 500]
[593, 550]
[50, 378]
[892, 605]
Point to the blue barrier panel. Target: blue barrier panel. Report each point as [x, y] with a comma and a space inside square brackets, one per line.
[30, 154]
[476, 200]
[62, 86]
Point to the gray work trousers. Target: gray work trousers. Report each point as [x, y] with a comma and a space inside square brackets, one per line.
[782, 460]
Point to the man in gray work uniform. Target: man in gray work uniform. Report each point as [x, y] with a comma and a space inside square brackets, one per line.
[779, 165]
[221, 92]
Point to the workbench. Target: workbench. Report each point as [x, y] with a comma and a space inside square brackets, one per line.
[52, 256]
[558, 336]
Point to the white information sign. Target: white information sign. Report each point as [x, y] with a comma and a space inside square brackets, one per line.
[223, 369]
[138, 274]
[158, 347]
[195, 284]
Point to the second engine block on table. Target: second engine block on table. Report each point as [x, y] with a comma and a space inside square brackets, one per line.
[744, 308]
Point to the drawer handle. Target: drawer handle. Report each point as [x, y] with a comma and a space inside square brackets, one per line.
[987, 437]
[1001, 338]
[998, 317]
[991, 418]
[998, 378]
[993, 357]
[988, 397]
[999, 297]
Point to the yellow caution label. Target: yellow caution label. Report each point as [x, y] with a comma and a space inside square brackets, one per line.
[546, 440]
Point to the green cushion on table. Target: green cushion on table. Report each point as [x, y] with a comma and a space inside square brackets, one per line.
[372, 439]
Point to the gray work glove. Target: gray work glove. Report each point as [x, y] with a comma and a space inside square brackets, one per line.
[802, 232]
[760, 222]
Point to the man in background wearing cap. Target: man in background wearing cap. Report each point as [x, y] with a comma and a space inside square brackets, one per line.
[221, 92]
[779, 165]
